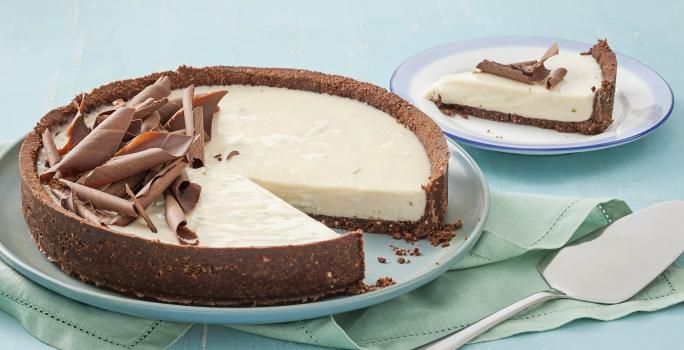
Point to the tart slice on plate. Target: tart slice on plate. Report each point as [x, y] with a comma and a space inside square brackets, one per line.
[515, 95]
[566, 92]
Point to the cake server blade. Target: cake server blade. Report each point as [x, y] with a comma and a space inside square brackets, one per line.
[609, 267]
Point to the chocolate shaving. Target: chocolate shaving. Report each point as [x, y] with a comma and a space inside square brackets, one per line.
[96, 148]
[151, 122]
[148, 107]
[185, 192]
[133, 130]
[102, 116]
[232, 154]
[529, 72]
[196, 153]
[87, 212]
[555, 77]
[77, 130]
[153, 172]
[175, 218]
[160, 182]
[119, 188]
[160, 89]
[51, 151]
[172, 106]
[101, 200]
[124, 166]
[209, 103]
[176, 122]
[140, 210]
[172, 143]
[188, 117]
[153, 188]
[66, 199]
[550, 52]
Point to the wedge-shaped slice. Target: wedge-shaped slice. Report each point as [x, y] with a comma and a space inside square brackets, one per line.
[235, 212]
[581, 102]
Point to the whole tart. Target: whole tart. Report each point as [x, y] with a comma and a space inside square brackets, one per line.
[580, 100]
[241, 274]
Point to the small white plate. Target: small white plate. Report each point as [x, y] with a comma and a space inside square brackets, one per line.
[643, 99]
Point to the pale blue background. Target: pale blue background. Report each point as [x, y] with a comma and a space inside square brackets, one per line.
[50, 51]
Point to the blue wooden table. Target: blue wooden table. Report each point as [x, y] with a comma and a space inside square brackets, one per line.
[50, 51]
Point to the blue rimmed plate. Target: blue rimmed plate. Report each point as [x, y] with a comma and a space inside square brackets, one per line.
[643, 99]
[468, 200]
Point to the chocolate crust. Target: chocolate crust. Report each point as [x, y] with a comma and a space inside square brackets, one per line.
[222, 276]
[601, 116]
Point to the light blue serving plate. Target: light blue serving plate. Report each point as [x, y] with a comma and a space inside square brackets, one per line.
[468, 200]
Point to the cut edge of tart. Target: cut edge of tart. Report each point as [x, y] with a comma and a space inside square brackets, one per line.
[189, 274]
[601, 109]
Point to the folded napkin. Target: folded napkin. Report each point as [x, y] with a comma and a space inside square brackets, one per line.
[501, 269]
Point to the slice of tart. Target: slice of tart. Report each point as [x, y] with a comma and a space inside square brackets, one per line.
[567, 92]
[225, 194]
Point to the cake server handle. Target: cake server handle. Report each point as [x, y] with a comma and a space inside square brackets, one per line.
[456, 340]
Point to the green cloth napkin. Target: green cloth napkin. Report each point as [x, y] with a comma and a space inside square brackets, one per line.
[501, 269]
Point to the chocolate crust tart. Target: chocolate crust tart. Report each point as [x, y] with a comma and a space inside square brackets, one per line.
[225, 276]
[600, 114]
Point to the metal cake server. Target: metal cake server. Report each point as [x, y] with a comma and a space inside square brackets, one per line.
[608, 268]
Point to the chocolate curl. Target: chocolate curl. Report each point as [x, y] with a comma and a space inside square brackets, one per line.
[508, 71]
[66, 198]
[145, 102]
[196, 154]
[97, 147]
[185, 192]
[209, 103]
[151, 122]
[127, 165]
[160, 182]
[166, 111]
[232, 154]
[51, 151]
[77, 130]
[153, 172]
[140, 210]
[550, 52]
[175, 218]
[153, 188]
[176, 122]
[172, 143]
[555, 77]
[119, 188]
[160, 89]
[101, 200]
[188, 117]
[89, 213]
[145, 118]
[537, 70]
[133, 130]
[148, 107]
[102, 116]
[528, 72]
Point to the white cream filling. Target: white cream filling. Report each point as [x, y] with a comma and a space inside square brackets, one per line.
[570, 101]
[322, 154]
[238, 213]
